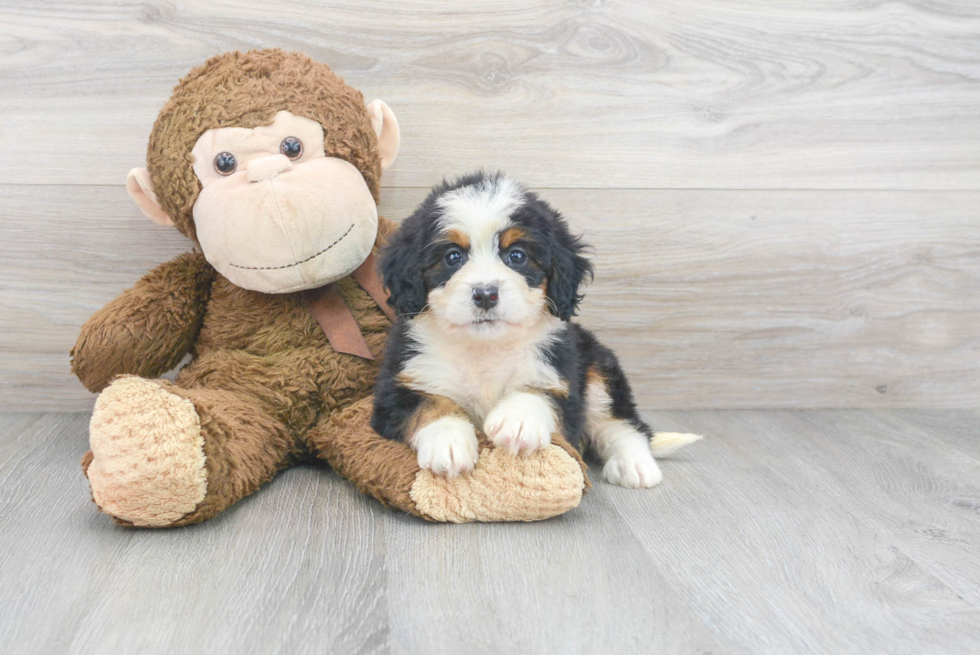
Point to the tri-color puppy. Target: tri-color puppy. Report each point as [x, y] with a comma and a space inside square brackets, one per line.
[484, 277]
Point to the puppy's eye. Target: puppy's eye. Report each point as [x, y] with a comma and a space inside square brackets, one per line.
[517, 257]
[291, 147]
[453, 257]
[225, 163]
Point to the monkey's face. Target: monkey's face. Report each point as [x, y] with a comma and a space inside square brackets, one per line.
[276, 214]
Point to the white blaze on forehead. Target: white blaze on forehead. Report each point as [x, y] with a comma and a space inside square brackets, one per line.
[481, 210]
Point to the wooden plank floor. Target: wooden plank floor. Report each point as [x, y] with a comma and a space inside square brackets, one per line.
[782, 532]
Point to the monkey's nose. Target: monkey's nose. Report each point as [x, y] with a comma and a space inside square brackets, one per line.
[486, 297]
[265, 167]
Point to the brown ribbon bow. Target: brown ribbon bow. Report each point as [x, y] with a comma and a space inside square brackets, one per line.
[334, 316]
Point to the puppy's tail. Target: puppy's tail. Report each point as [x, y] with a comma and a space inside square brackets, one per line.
[665, 444]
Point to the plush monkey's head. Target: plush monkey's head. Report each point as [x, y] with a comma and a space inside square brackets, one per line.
[272, 164]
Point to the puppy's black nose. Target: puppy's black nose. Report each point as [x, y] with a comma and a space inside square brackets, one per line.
[485, 297]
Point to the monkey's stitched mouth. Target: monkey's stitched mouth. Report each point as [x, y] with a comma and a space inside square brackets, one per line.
[302, 261]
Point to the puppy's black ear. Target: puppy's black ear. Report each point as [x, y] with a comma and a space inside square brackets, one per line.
[569, 269]
[400, 264]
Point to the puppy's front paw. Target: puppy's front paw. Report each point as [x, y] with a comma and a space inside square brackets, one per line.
[447, 446]
[636, 470]
[521, 423]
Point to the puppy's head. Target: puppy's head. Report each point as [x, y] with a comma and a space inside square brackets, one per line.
[484, 255]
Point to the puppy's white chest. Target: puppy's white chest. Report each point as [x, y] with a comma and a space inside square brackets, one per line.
[483, 380]
[477, 376]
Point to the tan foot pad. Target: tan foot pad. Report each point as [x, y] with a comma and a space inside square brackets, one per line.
[503, 488]
[147, 463]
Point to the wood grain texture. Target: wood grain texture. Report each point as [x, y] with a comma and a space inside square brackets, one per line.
[583, 584]
[620, 94]
[837, 530]
[306, 570]
[783, 531]
[713, 299]
[851, 281]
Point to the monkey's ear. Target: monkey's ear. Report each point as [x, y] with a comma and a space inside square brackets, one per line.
[386, 127]
[140, 189]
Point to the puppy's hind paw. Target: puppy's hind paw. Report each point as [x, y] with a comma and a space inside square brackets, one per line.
[635, 471]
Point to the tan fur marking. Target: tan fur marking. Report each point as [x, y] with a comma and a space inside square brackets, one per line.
[510, 236]
[593, 376]
[459, 238]
[560, 393]
[553, 392]
[430, 410]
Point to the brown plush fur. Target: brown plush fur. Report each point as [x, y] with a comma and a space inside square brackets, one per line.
[147, 330]
[268, 388]
[262, 376]
[246, 90]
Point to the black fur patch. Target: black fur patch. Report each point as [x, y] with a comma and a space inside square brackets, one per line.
[573, 356]
[394, 404]
[558, 252]
[533, 269]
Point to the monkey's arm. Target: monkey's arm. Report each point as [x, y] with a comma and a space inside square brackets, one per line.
[500, 488]
[148, 329]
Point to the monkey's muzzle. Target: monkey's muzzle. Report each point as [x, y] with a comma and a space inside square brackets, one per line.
[290, 227]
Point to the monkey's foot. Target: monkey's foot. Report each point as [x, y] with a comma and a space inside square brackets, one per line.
[503, 487]
[146, 466]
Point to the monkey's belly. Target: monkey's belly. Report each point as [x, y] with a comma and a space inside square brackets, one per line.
[264, 324]
[294, 384]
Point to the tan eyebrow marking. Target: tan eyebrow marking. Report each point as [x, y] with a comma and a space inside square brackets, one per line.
[509, 236]
[459, 238]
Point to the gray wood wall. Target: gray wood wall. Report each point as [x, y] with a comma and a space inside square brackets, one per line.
[783, 196]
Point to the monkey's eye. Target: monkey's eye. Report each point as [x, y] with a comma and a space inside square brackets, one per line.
[516, 257]
[453, 257]
[291, 147]
[225, 163]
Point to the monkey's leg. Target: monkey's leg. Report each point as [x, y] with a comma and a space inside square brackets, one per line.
[502, 487]
[165, 456]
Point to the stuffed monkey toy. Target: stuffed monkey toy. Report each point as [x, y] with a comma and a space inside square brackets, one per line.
[271, 164]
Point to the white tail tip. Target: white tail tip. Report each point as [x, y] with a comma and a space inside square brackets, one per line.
[665, 444]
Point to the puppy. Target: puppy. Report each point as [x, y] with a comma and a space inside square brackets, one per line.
[484, 277]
